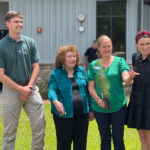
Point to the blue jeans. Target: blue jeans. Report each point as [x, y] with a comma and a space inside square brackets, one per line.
[111, 124]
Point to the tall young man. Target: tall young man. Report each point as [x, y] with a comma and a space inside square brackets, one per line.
[19, 69]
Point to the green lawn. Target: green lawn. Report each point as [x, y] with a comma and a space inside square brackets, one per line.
[23, 140]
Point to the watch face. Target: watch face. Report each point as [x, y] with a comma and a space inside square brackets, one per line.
[81, 17]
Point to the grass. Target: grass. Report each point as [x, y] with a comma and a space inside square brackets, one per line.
[23, 140]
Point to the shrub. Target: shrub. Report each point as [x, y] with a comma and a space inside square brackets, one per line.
[43, 88]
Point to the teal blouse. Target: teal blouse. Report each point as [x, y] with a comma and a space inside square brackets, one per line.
[60, 88]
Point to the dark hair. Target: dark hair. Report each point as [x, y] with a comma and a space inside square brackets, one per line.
[143, 33]
[12, 14]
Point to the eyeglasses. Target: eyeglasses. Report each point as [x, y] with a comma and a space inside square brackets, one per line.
[141, 34]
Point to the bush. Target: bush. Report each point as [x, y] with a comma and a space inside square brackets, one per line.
[43, 88]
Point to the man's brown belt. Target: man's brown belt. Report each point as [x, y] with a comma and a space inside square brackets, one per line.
[23, 83]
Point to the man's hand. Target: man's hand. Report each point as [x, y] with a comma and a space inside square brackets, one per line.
[25, 93]
[23, 98]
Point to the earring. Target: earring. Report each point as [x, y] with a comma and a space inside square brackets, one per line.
[63, 66]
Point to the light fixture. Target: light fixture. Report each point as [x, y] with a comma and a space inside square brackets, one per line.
[81, 19]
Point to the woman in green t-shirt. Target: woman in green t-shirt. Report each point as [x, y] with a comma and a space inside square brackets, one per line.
[106, 76]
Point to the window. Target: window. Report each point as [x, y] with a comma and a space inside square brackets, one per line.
[111, 20]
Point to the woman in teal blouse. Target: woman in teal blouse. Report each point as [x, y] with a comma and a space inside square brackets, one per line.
[106, 76]
[70, 100]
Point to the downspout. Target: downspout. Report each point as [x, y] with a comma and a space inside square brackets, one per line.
[140, 14]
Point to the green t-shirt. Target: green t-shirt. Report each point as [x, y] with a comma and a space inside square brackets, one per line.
[113, 75]
[17, 57]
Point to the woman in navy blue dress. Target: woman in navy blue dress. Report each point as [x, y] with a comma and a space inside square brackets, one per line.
[139, 105]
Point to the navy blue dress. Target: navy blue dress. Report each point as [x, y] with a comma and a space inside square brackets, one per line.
[139, 106]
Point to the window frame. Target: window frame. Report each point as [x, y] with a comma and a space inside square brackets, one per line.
[111, 16]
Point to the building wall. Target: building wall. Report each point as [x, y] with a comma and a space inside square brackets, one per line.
[3, 10]
[146, 17]
[132, 25]
[58, 20]
[131, 28]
